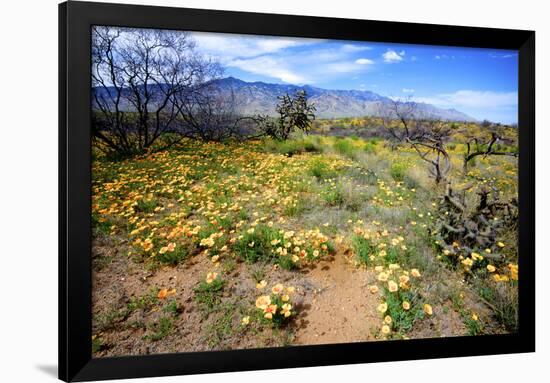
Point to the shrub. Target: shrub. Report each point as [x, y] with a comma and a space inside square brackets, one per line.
[320, 169]
[292, 146]
[146, 205]
[313, 144]
[345, 147]
[403, 320]
[363, 248]
[344, 195]
[296, 208]
[172, 254]
[371, 147]
[255, 244]
[398, 171]
[504, 298]
[402, 305]
[294, 114]
[333, 196]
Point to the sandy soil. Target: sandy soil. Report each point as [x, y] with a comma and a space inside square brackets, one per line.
[342, 309]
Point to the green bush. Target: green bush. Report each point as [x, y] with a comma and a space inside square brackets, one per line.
[173, 258]
[370, 147]
[504, 297]
[345, 147]
[344, 195]
[363, 248]
[398, 171]
[291, 147]
[320, 169]
[256, 246]
[403, 320]
[146, 205]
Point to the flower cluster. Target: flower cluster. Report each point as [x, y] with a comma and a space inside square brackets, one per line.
[277, 306]
[401, 303]
[378, 245]
[481, 260]
[305, 245]
[509, 273]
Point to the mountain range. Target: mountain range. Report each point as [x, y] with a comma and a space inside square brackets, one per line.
[260, 97]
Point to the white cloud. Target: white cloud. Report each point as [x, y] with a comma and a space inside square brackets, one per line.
[350, 48]
[271, 67]
[226, 47]
[359, 65]
[274, 57]
[363, 61]
[473, 99]
[392, 56]
[503, 56]
[407, 90]
[444, 57]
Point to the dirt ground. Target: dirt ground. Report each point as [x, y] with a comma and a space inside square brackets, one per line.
[342, 309]
[332, 301]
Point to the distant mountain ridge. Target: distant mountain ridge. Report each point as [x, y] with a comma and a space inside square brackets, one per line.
[260, 97]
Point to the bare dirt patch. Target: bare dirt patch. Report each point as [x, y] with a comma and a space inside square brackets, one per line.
[341, 309]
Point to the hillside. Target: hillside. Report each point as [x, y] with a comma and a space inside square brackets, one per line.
[260, 97]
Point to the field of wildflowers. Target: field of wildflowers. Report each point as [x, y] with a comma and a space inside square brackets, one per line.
[208, 246]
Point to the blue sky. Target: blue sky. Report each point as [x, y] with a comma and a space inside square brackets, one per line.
[479, 82]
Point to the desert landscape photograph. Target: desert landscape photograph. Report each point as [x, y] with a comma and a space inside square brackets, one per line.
[262, 191]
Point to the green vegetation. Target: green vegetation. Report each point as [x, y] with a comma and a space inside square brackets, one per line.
[251, 214]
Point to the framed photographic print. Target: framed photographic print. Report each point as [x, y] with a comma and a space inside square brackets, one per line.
[251, 191]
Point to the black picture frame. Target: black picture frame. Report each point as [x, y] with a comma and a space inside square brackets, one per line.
[75, 356]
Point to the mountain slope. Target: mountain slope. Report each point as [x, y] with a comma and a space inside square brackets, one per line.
[260, 97]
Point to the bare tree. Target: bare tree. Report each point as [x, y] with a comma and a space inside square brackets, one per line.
[108, 82]
[137, 76]
[208, 112]
[427, 137]
[488, 147]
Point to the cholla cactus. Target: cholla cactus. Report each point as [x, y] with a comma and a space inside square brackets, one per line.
[463, 230]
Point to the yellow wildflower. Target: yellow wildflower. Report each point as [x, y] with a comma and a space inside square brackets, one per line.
[210, 277]
[285, 310]
[382, 277]
[428, 309]
[277, 289]
[382, 307]
[263, 302]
